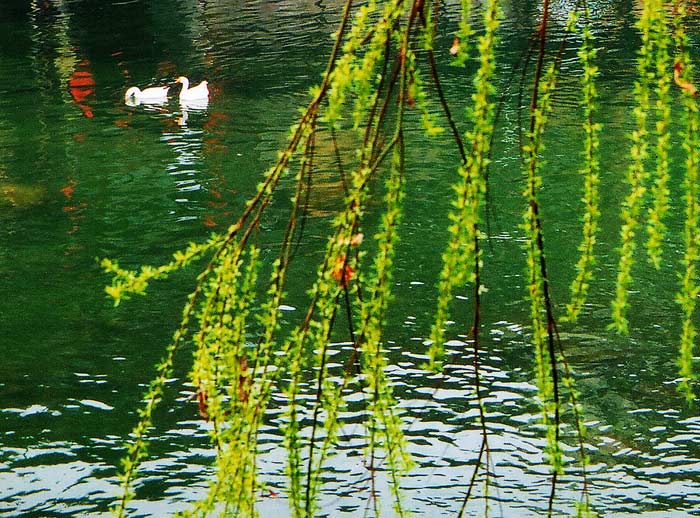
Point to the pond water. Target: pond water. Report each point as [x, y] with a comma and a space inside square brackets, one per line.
[84, 176]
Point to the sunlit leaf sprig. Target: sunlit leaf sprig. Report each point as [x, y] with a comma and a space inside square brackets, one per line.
[418, 97]
[552, 371]
[334, 277]
[590, 170]
[461, 259]
[126, 283]
[659, 191]
[689, 291]
[638, 172]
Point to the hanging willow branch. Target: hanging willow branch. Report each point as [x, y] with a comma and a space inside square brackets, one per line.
[591, 168]
[651, 26]
[549, 354]
[541, 309]
[659, 191]
[690, 136]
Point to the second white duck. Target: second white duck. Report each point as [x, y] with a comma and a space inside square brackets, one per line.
[196, 93]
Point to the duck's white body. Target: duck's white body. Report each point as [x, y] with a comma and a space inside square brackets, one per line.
[153, 94]
[196, 93]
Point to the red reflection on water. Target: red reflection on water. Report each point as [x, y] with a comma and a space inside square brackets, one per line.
[68, 189]
[81, 86]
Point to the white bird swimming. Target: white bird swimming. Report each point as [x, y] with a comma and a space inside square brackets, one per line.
[196, 93]
[153, 94]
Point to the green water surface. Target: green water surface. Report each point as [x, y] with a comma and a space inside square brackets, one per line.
[84, 176]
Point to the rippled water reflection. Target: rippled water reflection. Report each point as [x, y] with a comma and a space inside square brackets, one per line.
[82, 176]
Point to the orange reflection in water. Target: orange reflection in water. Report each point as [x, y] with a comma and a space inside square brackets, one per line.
[81, 86]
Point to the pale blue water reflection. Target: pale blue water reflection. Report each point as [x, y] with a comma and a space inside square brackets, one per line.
[83, 175]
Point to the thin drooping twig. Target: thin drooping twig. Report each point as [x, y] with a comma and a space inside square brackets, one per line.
[443, 101]
[539, 244]
[305, 179]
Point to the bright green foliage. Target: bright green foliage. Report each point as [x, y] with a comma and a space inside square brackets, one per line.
[463, 35]
[590, 171]
[652, 27]
[220, 371]
[690, 284]
[355, 72]
[659, 191]
[552, 372]
[461, 258]
[583, 510]
[126, 282]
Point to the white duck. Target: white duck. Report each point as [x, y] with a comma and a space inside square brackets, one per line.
[153, 94]
[196, 93]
